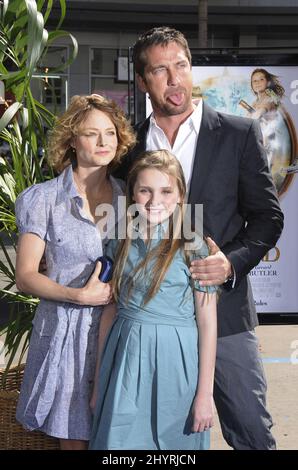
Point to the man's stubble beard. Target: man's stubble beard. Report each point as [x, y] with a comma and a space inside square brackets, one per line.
[170, 110]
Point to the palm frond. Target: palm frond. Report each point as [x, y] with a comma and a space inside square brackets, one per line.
[24, 44]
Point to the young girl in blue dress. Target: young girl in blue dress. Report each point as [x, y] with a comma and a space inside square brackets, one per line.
[155, 368]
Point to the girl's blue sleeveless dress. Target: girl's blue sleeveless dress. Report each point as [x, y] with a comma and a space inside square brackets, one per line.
[149, 368]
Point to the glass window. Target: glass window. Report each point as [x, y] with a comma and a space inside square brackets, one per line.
[107, 80]
[51, 91]
[103, 61]
[48, 86]
[54, 58]
[115, 91]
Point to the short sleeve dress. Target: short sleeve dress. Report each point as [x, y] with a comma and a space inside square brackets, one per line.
[149, 367]
[60, 367]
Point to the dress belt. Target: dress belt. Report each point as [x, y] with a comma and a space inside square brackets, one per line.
[143, 316]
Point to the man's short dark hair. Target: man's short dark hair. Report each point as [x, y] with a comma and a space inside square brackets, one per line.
[162, 35]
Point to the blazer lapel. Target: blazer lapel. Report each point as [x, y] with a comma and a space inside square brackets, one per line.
[206, 146]
[141, 130]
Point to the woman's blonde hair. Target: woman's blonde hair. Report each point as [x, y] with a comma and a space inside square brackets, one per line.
[164, 252]
[60, 152]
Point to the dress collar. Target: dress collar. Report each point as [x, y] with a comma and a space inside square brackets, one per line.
[158, 232]
[67, 187]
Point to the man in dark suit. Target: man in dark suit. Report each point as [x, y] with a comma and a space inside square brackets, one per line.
[226, 170]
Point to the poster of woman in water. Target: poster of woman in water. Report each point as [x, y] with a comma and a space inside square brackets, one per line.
[270, 95]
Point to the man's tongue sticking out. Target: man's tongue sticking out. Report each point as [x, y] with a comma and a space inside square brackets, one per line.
[176, 98]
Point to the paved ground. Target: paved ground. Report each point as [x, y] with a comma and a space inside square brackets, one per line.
[279, 345]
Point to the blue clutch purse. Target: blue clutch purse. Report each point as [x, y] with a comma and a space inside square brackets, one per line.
[106, 269]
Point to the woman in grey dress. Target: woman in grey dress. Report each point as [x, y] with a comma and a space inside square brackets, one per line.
[59, 218]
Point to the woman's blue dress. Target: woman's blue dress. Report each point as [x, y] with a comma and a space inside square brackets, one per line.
[60, 368]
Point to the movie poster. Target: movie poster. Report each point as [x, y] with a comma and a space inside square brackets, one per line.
[270, 95]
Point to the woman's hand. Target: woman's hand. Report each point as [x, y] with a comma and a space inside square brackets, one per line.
[30, 280]
[203, 413]
[95, 292]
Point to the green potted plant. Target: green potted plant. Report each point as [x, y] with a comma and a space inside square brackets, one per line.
[24, 43]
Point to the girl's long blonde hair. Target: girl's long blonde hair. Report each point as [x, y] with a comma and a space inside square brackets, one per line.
[164, 252]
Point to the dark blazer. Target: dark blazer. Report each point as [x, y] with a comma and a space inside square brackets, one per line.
[241, 210]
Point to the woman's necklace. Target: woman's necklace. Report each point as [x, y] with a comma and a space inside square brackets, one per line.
[90, 203]
[89, 197]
